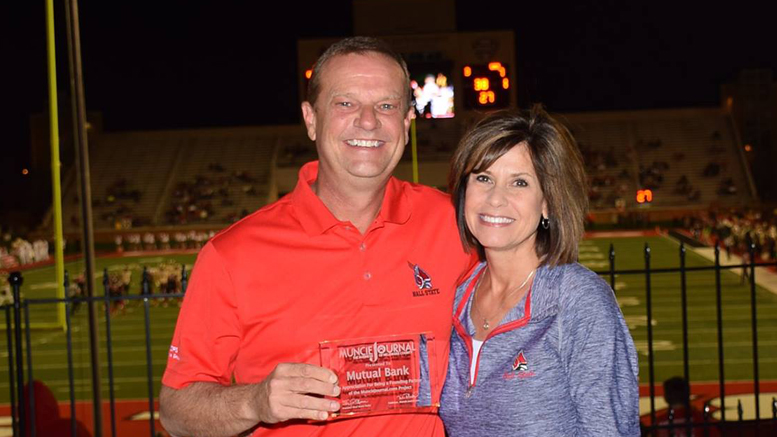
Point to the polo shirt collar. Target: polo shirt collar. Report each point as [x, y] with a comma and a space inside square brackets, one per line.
[316, 218]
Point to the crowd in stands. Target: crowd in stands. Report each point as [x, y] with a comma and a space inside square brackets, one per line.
[653, 144]
[118, 206]
[607, 189]
[199, 200]
[712, 169]
[597, 160]
[733, 229]
[296, 153]
[120, 190]
[684, 187]
[727, 187]
[717, 167]
[715, 148]
[604, 188]
[652, 176]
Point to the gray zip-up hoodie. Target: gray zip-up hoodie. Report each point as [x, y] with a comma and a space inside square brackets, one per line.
[561, 363]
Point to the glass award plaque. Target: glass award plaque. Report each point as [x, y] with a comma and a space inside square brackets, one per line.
[383, 375]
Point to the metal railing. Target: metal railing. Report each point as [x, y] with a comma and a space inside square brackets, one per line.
[688, 425]
[18, 337]
[20, 344]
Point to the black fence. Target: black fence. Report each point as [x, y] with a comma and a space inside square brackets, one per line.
[20, 347]
[683, 421]
[678, 422]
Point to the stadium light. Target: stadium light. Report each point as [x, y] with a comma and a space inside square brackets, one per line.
[308, 73]
[748, 148]
[25, 171]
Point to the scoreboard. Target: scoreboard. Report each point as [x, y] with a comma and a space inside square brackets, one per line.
[486, 86]
[453, 75]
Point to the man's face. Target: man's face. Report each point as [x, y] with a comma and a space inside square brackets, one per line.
[360, 120]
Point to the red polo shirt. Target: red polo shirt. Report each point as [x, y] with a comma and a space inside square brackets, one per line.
[269, 288]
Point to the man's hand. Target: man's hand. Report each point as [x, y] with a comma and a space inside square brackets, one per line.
[295, 391]
[208, 409]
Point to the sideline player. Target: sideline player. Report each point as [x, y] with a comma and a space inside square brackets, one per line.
[335, 259]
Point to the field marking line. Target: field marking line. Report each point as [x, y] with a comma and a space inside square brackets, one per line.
[727, 344]
[698, 307]
[114, 349]
[706, 362]
[88, 365]
[713, 318]
[763, 277]
[744, 330]
[715, 383]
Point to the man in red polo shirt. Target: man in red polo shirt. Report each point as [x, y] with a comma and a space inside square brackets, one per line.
[352, 252]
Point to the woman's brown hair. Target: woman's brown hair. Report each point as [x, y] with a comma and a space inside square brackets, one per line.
[557, 162]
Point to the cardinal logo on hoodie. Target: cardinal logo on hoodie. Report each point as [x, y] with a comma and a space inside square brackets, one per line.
[520, 363]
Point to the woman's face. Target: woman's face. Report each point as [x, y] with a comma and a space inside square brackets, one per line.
[504, 203]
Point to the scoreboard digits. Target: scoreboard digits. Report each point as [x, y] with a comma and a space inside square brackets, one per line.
[486, 86]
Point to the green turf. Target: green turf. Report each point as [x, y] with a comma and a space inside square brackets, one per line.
[128, 346]
[128, 330]
[702, 312]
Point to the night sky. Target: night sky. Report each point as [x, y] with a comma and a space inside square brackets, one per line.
[180, 64]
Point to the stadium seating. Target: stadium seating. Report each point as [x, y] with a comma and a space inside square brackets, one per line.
[144, 160]
[244, 161]
[231, 171]
[681, 142]
[154, 163]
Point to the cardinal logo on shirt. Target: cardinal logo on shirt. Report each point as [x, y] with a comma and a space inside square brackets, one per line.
[422, 279]
[520, 363]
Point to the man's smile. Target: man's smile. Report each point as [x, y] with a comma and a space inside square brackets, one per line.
[364, 143]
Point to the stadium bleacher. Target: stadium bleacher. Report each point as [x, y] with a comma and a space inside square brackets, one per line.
[675, 143]
[236, 163]
[687, 156]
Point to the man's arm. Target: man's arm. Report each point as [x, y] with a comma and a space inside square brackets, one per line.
[206, 409]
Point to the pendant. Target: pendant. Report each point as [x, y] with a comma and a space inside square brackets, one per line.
[486, 325]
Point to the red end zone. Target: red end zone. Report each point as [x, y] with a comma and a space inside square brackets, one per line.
[132, 418]
[623, 234]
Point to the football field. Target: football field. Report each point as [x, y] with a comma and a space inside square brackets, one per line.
[128, 332]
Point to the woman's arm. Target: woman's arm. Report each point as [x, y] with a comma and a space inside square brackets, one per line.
[601, 360]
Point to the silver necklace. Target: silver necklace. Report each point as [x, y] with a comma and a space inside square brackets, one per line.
[486, 325]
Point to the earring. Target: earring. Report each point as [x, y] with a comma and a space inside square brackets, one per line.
[545, 223]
